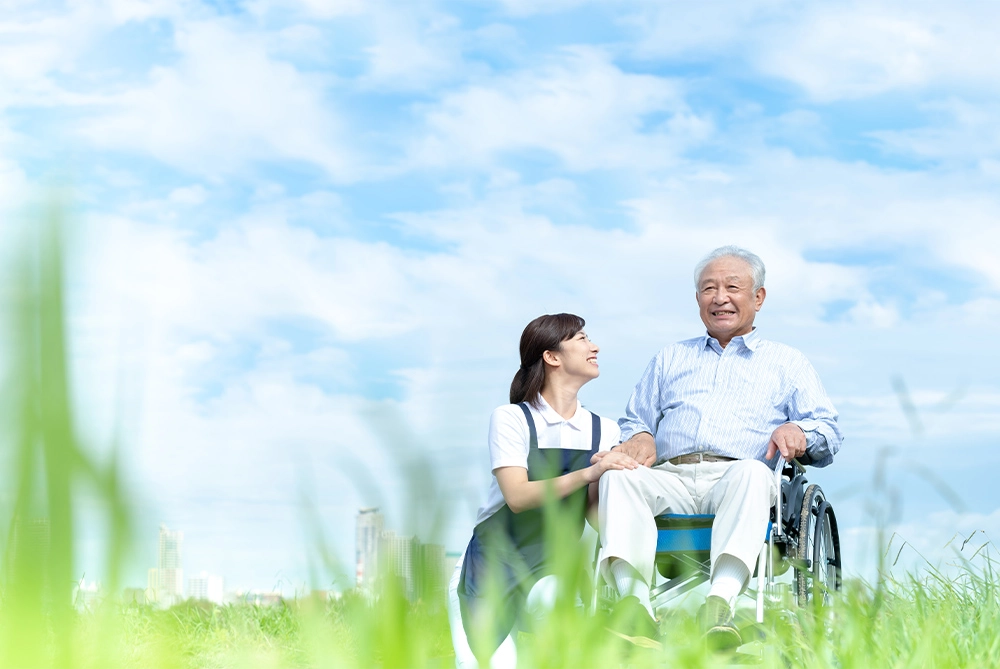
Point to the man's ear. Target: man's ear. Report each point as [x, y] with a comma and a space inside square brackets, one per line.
[759, 298]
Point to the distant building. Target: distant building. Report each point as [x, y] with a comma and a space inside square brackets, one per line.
[430, 572]
[396, 560]
[368, 531]
[134, 596]
[206, 587]
[165, 583]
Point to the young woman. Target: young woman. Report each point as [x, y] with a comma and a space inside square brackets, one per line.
[543, 443]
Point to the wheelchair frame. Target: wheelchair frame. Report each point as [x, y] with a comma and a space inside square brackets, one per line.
[806, 539]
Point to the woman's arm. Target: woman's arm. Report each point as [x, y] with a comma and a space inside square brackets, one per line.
[520, 494]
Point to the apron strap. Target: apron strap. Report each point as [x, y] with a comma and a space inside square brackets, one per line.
[533, 443]
[567, 456]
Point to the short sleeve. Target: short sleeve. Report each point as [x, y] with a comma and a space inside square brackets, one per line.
[508, 438]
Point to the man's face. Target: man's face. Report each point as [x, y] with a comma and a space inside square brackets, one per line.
[726, 298]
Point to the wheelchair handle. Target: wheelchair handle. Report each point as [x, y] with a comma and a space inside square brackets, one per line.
[776, 527]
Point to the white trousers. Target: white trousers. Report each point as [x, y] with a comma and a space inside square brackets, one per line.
[740, 493]
[539, 602]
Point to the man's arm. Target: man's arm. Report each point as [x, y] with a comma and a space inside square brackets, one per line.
[812, 412]
[642, 415]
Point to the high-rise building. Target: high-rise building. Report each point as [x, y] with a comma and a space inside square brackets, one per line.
[167, 584]
[368, 531]
[430, 573]
[395, 560]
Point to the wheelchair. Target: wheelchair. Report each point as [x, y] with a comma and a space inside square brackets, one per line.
[802, 535]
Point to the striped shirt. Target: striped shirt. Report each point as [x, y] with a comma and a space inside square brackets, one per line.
[697, 396]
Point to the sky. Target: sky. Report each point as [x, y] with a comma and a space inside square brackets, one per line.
[305, 237]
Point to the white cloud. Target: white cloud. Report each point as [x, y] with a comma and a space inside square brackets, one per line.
[578, 106]
[872, 314]
[411, 51]
[314, 9]
[833, 51]
[42, 43]
[225, 105]
[533, 7]
[680, 29]
[968, 132]
[190, 195]
[855, 51]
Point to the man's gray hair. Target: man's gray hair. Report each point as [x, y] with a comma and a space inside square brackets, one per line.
[751, 259]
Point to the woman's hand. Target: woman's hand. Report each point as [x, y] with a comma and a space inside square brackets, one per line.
[521, 494]
[602, 461]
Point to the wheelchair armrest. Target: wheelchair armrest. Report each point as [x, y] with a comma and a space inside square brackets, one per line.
[797, 466]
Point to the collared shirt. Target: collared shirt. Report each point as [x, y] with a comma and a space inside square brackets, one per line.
[697, 396]
[510, 438]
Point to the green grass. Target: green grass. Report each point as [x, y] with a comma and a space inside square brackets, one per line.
[926, 619]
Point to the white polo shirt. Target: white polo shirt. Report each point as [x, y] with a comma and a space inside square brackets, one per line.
[510, 440]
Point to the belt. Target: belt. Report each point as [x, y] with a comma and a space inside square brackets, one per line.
[695, 458]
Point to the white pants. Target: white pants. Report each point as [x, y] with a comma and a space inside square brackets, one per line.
[539, 602]
[740, 493]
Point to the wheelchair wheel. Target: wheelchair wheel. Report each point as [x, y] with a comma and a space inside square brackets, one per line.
[818, 555]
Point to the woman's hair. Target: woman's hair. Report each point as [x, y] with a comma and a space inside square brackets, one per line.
[545, 333]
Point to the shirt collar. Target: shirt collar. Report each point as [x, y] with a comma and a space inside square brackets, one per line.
[553, 418]
[750, 340]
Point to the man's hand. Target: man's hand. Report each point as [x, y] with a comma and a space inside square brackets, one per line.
[642, 448]
[789, 439]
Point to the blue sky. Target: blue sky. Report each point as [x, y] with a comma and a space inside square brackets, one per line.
[308, 235]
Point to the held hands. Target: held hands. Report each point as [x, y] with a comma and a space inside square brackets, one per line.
[642, 448]
[602, 461]
[789, 439]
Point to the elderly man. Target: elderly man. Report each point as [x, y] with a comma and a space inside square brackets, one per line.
[708, 418]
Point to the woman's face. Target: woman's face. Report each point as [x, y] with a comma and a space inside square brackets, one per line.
[578, 356]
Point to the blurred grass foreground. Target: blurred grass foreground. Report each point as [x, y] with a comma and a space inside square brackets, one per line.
[927, 619]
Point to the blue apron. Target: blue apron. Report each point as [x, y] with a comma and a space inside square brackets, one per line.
[507, 553]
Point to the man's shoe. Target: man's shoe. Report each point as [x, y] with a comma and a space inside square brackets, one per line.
[630, 618]
[716, 618]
